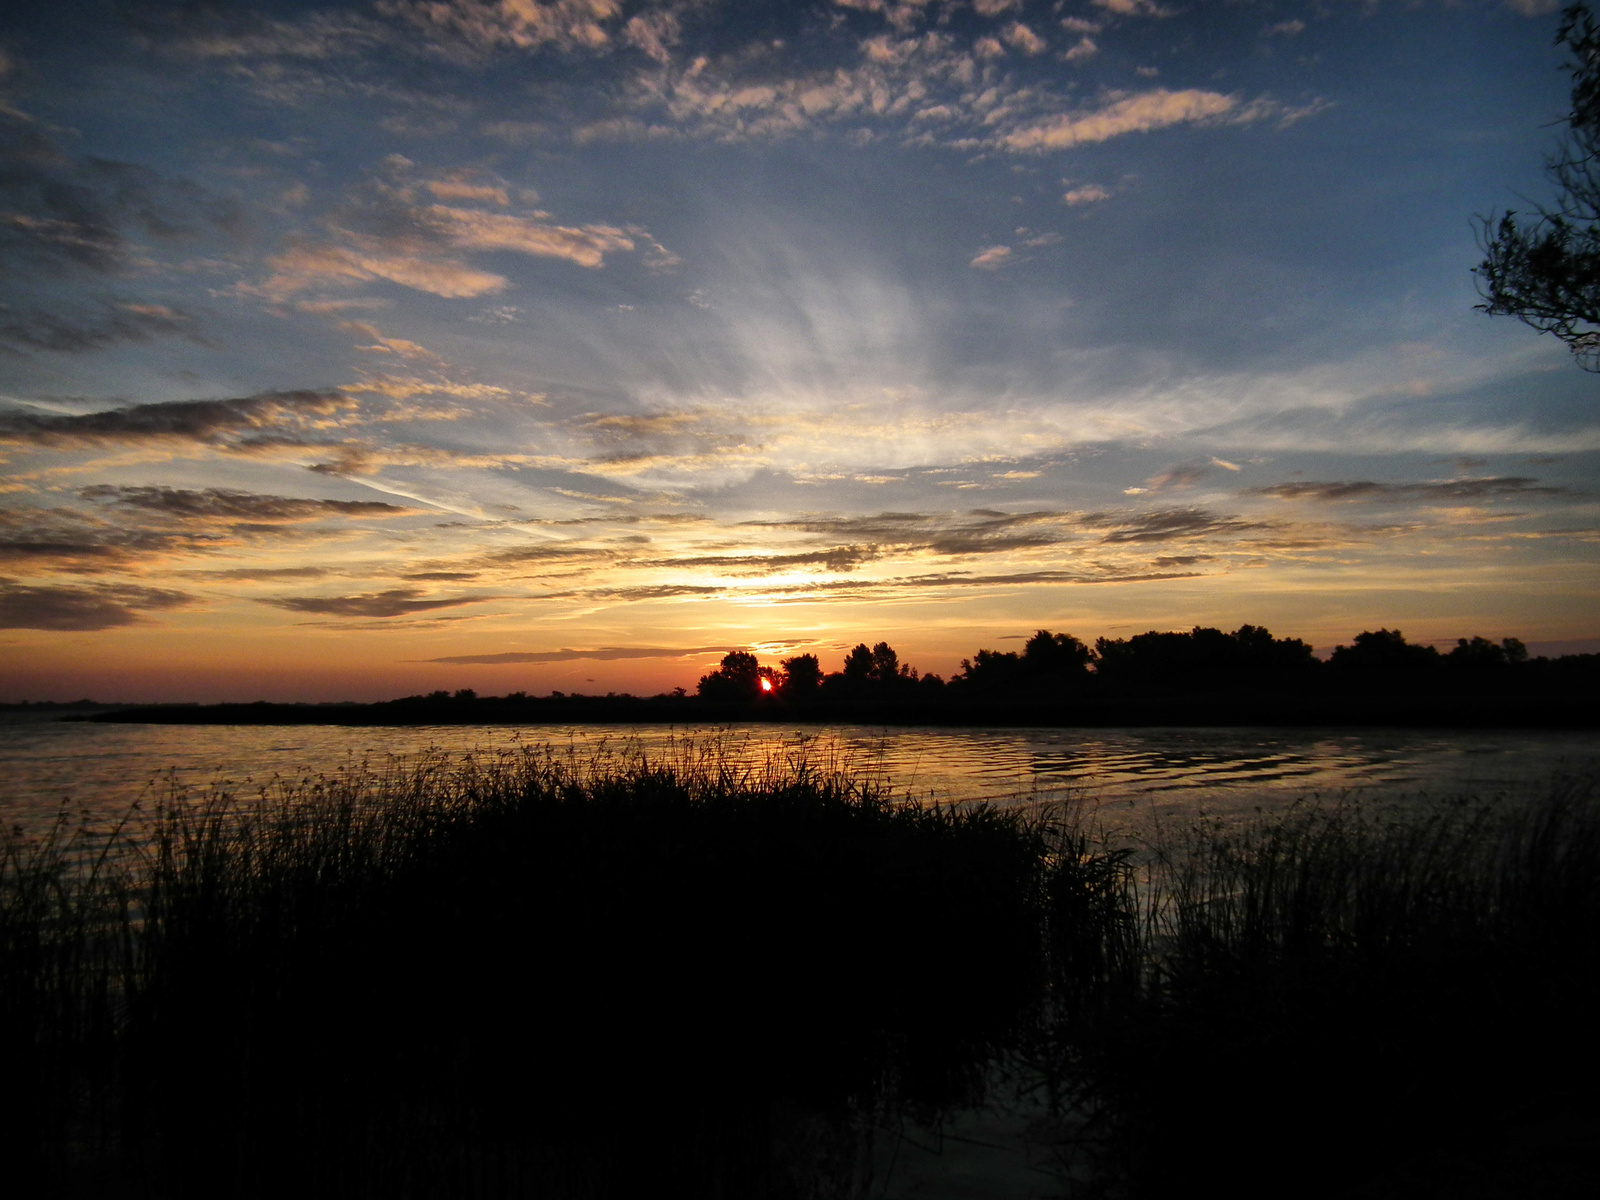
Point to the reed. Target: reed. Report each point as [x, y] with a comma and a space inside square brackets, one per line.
[531, 974]
[524, 974]
[1331, 992]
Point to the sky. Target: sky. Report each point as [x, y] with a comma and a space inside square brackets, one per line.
[352, 350]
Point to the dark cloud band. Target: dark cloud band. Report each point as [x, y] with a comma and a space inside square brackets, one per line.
[604, 654]
[1450, 489]
[206, 421]
[396, 602]
[226, 504]
[82, 609]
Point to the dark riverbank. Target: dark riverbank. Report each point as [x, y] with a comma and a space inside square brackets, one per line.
[1531, 708]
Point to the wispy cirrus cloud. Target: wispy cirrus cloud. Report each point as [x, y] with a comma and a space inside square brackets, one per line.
[1182, 475]
[395, 602]
[83, 609]
[482, 25]
[1084, 48]
[601, 654]
[1089, 193]
[60, 211]
[1140, 113]
[141, 528]
[60, 541]
[308, 264]
[905, 14]
[1134, 8]
[260, 574]
[214, 422]
[234, 34]
[987, 531]
[92, 224]
[837, 559]
[880, 587]
[399, 230]
[1440, 491]
[94, 326]
[65, 555]
[1021, 38]
[653, 591]
[471, 229]
[933, 87]
[542, 553]
[231, 505]
[991, 258]
[1168, 524]
[966, 532]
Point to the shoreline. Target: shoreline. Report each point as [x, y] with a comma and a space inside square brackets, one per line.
[1399, 712]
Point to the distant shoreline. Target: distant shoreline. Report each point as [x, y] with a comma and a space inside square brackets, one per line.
[1202, 678]
[1394, 711]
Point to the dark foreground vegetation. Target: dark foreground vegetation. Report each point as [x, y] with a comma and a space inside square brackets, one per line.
[1203, 677]
[536, 978]
[523, 978]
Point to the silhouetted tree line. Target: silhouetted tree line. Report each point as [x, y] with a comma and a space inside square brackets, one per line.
[1167, 676]
[1203, 677]
[1203, 659]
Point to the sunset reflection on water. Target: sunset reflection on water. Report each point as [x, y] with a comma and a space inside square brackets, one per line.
[1127, 774]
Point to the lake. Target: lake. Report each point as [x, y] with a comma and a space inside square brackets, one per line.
[1131, 774]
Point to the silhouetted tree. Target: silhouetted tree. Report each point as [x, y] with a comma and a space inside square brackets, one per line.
[858, 663]
[1049, 662]
[1056, 655]
[887, 670]
[1546, 272]
[738, 678]
[1384, 651]
[1481, 652]
[802, 675]
[1256, 650]
[872, 674]
[989, 669]
[876, 667]
[1203, 659]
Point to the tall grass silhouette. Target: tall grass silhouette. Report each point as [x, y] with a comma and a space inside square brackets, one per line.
[521, 975]
[1324, 994]
[534, 974]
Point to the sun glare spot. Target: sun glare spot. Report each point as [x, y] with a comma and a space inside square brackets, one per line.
[766, 685]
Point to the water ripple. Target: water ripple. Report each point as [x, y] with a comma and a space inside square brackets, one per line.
[102, 769]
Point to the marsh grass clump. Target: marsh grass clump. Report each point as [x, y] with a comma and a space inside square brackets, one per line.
[525, 975]
[1328, 993]
[535, 975]
[67, 947]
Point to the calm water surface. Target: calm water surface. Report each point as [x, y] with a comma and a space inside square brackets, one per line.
[1131, 773]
